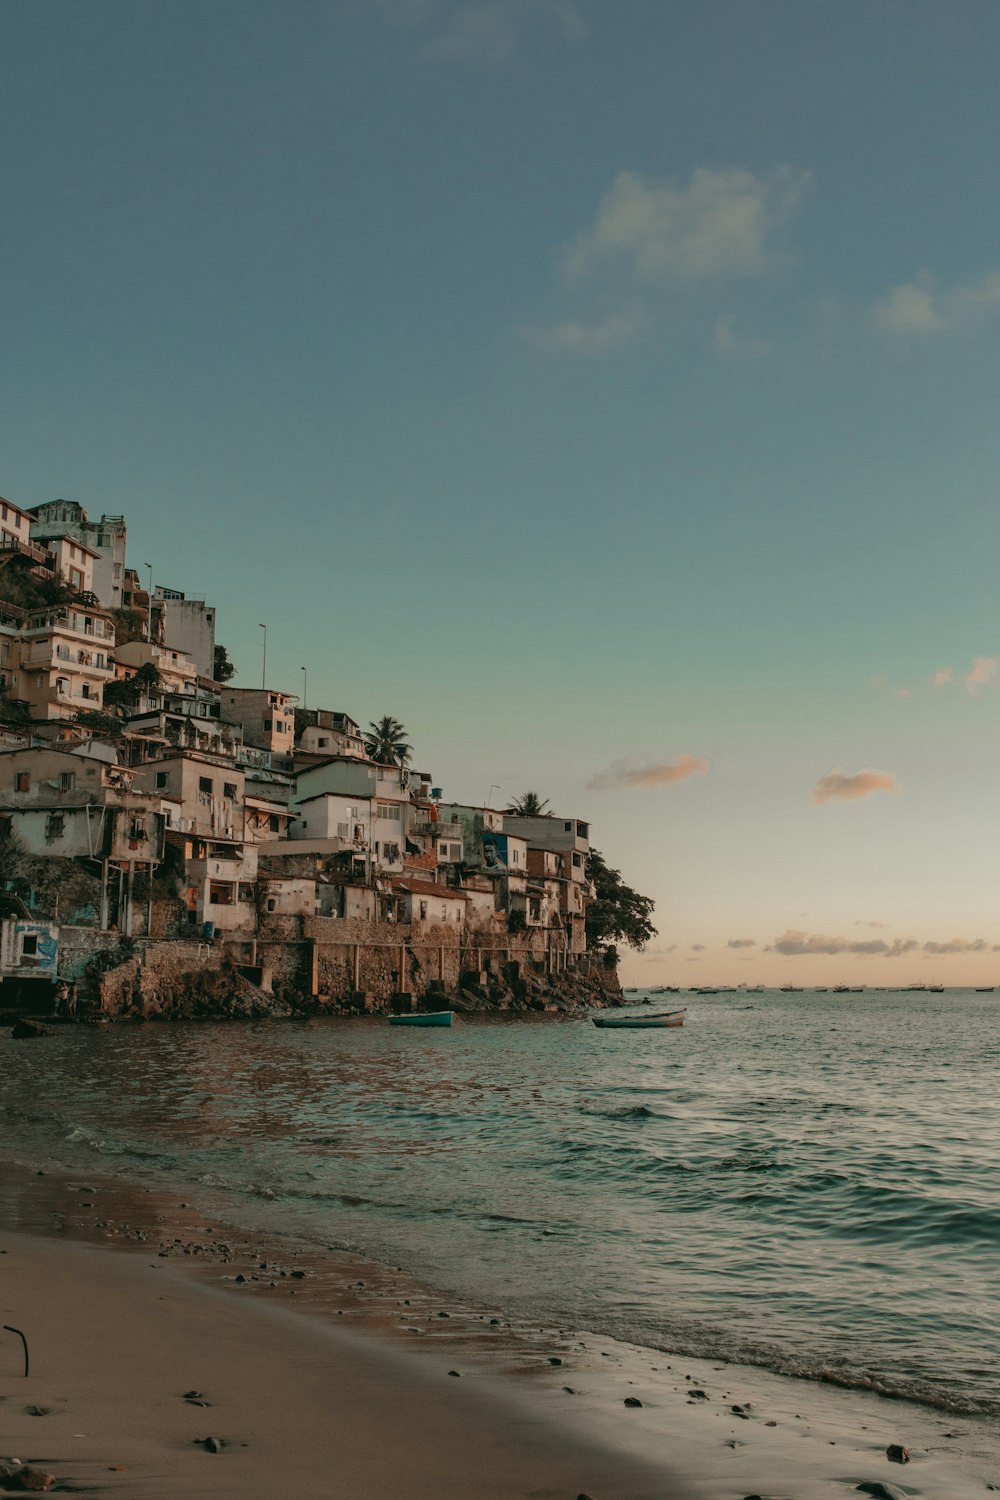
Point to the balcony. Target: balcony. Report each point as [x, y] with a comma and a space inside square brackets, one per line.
[452, 830]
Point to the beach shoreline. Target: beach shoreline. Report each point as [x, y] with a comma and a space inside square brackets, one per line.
[547, 1403]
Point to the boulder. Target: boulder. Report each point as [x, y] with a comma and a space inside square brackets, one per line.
[27, 1027]
[30, 1478]
[897, 1454]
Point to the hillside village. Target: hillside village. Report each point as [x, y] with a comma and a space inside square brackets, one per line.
[168, 839]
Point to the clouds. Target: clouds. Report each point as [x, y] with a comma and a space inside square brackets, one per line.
[798, 944]
[984, 672]
[794, 943]
[742, 943]
[483, 31]
[632, 771]
[651, 234]
[837, 786]
[722, 223]
[919, 307]
[587, 338]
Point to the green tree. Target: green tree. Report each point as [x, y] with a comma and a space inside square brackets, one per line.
[223, 669]
[529, 805]
[617, 913]
[386, 742]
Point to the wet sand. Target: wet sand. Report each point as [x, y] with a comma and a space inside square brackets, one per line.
[327, 1376]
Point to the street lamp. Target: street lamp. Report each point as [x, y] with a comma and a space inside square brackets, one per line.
[150, 567]
[263, 670]
[305, 688]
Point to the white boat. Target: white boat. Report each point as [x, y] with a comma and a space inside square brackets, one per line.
[667, 1018]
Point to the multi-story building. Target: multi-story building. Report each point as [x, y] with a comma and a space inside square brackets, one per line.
[267, 717]
[178, 673]
[570, 838]
[56, 661]
[323, 732]
[188, 624]
[105, 539]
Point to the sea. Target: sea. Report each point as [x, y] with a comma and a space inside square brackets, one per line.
[803, 1182]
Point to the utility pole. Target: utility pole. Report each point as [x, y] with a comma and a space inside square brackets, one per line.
[305, 688]
[263, 670]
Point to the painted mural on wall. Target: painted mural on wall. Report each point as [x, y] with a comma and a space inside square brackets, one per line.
[495, 851]
[36, 948]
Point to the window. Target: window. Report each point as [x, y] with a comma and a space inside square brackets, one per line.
[29, 944]
[272, 905]
[567, 828]
[55, 825]
[62, 687]
[577, 861]
[322, 743]
[267, 723]
[162, 780]
[220, 893]
[423, 911]
[67, 780]
[23, 781]
[205, 785]
[137, 829]
[390, 811]
[75, 579]
[229, 790]
[274, 823]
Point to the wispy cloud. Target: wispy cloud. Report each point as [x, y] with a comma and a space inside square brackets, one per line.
[943, 677]
[722, 223]
[634, 771]
[959, 945]
[837, 786]
[920, 307]
[486, 31]
[730, 341]
[697, 947]
[798, 944]
[871, 924]
[794, 943]
[742, 943]
[984, 672]
[587, 338]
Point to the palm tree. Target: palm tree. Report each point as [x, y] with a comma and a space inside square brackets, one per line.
[386, 742]
[530, 805]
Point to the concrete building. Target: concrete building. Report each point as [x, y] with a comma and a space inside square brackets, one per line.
[267, 717]
[73, 562]
[57, 660]
[570, 838]
[188, 626]
[15, 525]
[178, 672]
[325, 733]
[105, 539]
[210, 793]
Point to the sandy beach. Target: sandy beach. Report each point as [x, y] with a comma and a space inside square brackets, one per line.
[349, 1389]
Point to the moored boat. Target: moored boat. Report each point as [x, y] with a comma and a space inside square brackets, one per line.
[435, 1018]
[654, 1023]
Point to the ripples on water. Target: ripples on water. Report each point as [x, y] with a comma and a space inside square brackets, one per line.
[808, 1184]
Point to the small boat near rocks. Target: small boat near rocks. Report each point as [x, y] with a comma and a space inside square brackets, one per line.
[666, 1018]
[434, 1018]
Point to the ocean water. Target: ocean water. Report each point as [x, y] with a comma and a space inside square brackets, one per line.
[804, 1182]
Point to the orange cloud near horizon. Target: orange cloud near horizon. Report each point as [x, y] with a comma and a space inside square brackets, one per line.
[633, 772]
[837, 786]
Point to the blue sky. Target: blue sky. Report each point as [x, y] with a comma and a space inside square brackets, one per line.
[587, 384]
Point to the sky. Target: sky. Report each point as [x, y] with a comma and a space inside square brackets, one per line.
[607, 389]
